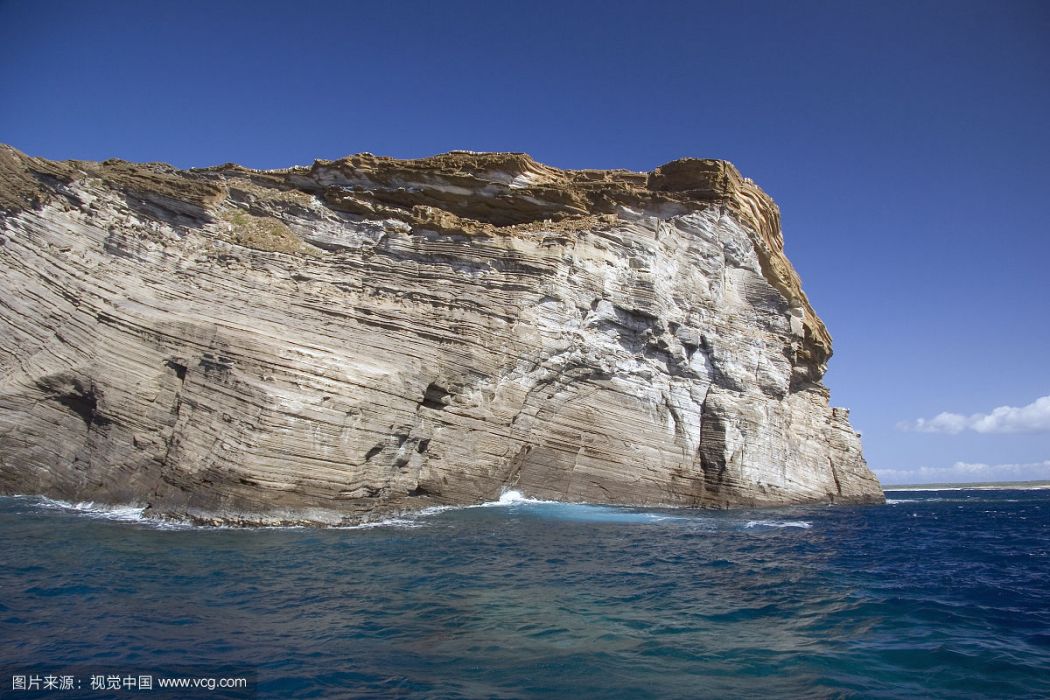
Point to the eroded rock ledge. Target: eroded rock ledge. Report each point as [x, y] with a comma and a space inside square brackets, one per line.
[333, 343]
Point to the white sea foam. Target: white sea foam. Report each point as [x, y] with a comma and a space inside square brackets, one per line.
[554, 510]
[434, 510]
[102, 511]
[387, 522]
[517, 498]
[412, 520]
[779, 523]
[578, 512]
[123, 513]
[135, 515]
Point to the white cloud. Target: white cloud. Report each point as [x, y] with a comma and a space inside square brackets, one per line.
[1033, 418]
[967, 472]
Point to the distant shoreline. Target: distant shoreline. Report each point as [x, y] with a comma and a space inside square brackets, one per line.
[1017, 485]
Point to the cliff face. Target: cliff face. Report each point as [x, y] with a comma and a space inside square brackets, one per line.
[336, 342]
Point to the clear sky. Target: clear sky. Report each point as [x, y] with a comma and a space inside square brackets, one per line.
[907, 143]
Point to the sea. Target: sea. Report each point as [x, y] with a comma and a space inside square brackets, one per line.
[937, 594]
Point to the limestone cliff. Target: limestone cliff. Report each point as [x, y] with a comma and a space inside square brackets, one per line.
[337, 342]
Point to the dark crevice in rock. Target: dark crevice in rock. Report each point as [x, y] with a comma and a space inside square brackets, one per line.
[172, 439]
[178, 368]
[215, 364]
[373, 452]
[516, 464]
[79, 397]
[436, 397]
[712, 453]
[85, 405]
[835, 476]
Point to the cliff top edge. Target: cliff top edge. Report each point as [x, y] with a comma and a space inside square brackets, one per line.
[476, 193]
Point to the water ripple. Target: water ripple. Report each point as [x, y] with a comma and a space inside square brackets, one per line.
[525, 598]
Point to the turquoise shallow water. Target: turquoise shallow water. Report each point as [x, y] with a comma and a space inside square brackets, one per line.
[937, 594]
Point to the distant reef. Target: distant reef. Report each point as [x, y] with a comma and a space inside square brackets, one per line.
[335, 343]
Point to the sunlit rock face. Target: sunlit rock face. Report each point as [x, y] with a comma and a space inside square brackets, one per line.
[330, 344]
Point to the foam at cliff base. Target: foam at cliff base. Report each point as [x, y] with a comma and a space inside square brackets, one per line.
[513, 501]
[100, 511]
[515, 498]
[575, 512]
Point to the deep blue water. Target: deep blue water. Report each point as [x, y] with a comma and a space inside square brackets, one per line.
[937, 594]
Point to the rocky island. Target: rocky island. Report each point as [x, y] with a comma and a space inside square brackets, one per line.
[335, 343]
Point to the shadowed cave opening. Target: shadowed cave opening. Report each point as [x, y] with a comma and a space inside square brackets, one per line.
[436, 397]
[84, 402]
[178, 368]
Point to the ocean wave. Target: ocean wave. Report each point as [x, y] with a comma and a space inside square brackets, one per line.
[868, 580]
[576, 512]
[414, 520]
[969, 500]
[778, 523]
[135, 515]
[409, 522]
[511, 500]
[516, 498]
[896, 501]
[102, 511]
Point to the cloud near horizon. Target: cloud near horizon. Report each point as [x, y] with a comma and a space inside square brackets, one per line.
[966, 472]
[1033, 418]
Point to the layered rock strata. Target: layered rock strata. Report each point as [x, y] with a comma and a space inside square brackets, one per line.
[330, 344]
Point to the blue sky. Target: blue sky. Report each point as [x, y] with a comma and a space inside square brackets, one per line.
[906, 142]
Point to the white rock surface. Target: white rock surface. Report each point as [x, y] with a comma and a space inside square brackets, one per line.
[331, 344]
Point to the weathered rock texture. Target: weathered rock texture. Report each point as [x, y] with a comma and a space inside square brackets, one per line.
[337, 342]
